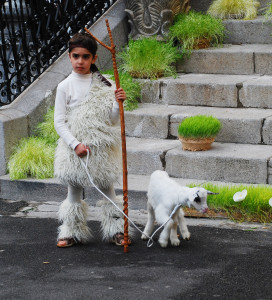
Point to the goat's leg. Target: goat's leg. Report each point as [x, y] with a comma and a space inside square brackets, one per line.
[174, 234]
[150, 222]
[183, 226]
[164, 236]
[162, 217]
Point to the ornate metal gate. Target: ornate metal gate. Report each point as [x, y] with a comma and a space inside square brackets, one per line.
[34, 33]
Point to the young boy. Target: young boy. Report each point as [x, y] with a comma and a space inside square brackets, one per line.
[86, 108]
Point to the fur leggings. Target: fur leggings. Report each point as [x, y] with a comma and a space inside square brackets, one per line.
[73, 214]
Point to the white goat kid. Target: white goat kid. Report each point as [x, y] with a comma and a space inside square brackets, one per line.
[164, 194]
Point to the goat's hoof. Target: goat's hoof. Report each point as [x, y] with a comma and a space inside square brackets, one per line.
[144, 237]
[186, 236]
[163, 244]
[175, 243]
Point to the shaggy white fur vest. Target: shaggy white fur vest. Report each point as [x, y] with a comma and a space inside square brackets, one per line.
[90, 123]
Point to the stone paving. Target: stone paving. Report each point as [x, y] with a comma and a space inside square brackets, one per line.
[139, 216]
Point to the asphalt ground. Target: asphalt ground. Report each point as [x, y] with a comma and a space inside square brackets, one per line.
[216, 263]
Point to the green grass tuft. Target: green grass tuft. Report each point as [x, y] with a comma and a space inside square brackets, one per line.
[46, 129]
[130, 86]
[268, 12]
[149, 58]
[33, 157]
[255, 207]
[238, 9]
[199, 126]
[189, 28]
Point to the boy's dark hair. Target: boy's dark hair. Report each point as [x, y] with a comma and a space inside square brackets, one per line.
[83, 40]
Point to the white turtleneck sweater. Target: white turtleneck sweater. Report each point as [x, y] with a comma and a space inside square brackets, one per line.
[71, 92]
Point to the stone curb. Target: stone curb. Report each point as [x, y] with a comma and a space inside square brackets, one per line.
[138, 216]
[52, 191]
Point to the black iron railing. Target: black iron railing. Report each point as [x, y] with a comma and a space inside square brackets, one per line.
[33, 34]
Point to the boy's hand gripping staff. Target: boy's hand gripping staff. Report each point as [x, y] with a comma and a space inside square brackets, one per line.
[123, 136]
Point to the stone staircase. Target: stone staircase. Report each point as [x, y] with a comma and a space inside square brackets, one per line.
[232, 83]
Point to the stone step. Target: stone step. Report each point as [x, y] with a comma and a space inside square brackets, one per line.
[230, 59]
[218, 90]
[50, 190]
[227, 162]
[239, 125]
[256, 31]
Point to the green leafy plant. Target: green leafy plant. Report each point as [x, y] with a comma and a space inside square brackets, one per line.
[32, 157]
[255, 207]
[199, 126]
[234, 9]
[194, 27]
[149, 58]
[130, 86]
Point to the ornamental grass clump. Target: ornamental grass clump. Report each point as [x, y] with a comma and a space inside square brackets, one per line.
[46, 129]
[234, 9]
[254, 208]
[149, 58]
[199, 127]
[192, 28]
[268, 12]
[32, 157]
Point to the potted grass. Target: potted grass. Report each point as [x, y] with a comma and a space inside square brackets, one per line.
[196, 30]
[149, 58]
[234, 9]
[197, 133]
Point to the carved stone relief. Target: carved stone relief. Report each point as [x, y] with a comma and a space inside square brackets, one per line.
[153, 17]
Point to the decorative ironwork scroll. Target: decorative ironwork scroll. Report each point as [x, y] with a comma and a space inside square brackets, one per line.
[33, 34]
[153, 17]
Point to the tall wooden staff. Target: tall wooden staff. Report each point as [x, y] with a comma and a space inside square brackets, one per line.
[123, 136]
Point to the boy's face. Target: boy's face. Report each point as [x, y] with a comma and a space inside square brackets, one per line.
[81, 60]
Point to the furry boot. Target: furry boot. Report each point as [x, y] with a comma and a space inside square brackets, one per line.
[112, 219]
[74, 221]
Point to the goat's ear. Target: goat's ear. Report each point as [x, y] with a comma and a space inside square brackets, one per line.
[211, 193]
